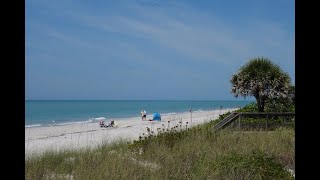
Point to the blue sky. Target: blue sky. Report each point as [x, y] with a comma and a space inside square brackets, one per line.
[151, 49]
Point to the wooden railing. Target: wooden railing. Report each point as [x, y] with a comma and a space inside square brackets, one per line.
[269, 120]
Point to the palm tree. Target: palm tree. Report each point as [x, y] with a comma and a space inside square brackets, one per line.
[262, 79]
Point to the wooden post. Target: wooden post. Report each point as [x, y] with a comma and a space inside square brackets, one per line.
[240, 121]
[267, 122]
[191, 116]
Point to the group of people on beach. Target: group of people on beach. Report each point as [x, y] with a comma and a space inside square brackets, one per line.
[114, 124]
[143, 117]
[111, 124]
[143, 114]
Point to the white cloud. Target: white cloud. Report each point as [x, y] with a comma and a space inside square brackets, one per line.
[190, 36]
[175, 27]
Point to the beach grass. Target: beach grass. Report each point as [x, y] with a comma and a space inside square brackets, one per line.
[195, 153]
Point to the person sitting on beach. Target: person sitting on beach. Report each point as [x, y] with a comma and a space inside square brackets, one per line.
[113, 124]
[101, 123]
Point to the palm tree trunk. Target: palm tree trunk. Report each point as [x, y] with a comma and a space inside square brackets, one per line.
[260, 103]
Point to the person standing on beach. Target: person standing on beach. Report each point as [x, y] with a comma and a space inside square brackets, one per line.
[141, 114]
[144, 114]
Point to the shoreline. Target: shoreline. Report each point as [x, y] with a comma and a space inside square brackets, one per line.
[90, 134]
[91, 119]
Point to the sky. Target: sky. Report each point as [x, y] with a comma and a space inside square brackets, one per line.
[151, 49]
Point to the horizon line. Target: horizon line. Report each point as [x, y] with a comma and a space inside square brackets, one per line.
[137, 100]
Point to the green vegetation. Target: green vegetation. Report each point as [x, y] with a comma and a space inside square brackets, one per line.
[196, 153]
[274, 121]
[282, 104]
[266, 82]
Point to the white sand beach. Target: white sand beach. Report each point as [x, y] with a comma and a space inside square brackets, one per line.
[81, 135]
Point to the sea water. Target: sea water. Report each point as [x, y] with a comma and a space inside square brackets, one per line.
[60, 112]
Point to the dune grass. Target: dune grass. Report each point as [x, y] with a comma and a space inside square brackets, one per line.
[196, 153]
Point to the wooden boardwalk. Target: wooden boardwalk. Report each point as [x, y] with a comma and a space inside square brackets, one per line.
[257, 120]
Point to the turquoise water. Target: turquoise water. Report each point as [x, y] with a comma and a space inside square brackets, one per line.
[47, 112]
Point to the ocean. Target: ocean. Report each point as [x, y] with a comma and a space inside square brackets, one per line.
[60, 112]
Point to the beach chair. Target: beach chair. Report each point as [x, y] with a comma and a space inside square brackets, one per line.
[101, 123]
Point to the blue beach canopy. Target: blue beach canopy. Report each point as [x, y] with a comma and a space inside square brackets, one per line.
[156, 117]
